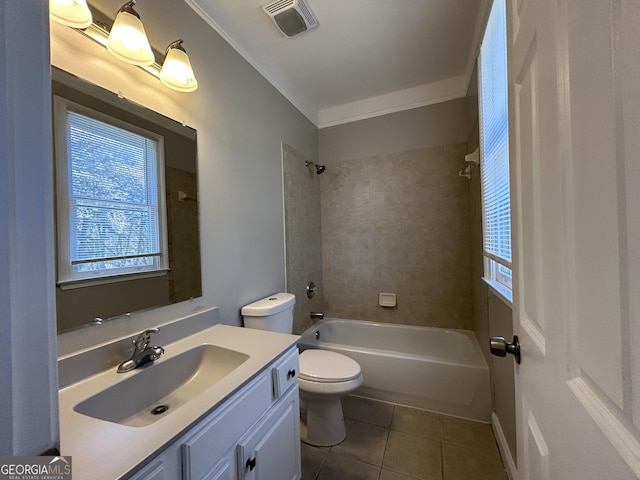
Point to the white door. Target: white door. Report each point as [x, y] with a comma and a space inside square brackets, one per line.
[574, 96]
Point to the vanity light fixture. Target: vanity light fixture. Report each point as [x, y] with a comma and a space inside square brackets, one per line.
[176, 70]
[127, 39]
[72, 13]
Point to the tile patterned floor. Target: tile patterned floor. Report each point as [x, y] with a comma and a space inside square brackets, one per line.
[391, 442]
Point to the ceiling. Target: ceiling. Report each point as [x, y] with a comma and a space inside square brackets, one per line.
[366, 57]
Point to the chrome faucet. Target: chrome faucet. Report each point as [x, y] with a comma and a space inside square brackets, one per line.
[316, 315]
[142, 352]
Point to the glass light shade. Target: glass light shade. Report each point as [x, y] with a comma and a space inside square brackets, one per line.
[128, 41]
[176, 71]
[72, 13]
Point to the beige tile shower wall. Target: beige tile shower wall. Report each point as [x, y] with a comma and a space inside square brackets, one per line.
[184, 277]
[303, 237]
[398, 222]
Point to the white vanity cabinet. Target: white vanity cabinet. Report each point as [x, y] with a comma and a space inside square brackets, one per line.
[253, 435]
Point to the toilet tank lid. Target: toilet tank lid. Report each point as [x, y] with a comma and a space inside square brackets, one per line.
[270, 305]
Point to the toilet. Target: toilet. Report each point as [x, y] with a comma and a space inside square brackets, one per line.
[324, 376]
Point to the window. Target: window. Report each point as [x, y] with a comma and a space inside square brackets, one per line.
[110, 191]
[494, 145]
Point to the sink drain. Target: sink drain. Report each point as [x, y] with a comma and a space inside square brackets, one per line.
[159, 410]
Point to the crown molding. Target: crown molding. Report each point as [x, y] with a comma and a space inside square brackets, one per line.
[420, 96]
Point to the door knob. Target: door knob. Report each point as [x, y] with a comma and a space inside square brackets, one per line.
[500, 347]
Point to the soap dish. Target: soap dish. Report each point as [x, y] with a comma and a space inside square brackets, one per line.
[387, 299]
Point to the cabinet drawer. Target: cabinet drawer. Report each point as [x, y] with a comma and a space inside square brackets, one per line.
[217, 434]
[285, 373]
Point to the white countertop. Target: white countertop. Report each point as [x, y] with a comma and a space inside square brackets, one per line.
[106, 450]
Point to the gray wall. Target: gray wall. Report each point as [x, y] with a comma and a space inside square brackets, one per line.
[436, 125]
[241, 121]
[395, 217]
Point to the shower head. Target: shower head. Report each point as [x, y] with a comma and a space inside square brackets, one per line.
[319, 168]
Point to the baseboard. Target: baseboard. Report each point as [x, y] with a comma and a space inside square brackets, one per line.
[509, 464]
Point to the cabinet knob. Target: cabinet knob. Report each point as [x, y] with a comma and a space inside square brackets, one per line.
[251, 463]
[291, 374]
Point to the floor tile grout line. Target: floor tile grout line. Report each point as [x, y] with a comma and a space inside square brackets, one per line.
[350, 457]
[324, 460]
[467, 447]
[386, 442]
[440, 424]
[442, 459]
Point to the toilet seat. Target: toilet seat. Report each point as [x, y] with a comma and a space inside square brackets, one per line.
[323, 366]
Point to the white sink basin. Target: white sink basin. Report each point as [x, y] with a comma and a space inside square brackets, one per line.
[158, 389]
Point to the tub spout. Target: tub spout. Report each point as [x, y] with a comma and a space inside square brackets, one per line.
[316, 315]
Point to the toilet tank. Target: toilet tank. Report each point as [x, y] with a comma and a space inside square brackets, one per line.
[273, 313]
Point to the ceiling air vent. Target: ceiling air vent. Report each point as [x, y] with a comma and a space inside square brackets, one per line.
[291, 16]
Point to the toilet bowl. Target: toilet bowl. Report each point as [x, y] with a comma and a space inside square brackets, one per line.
[324, 378]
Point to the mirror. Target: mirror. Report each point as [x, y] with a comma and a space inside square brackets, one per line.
[79, 305]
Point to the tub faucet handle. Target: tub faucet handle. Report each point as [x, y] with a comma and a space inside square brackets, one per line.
[311, 289]
[316, 315]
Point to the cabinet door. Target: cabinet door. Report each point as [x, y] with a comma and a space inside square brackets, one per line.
[208, 442]
[165, 466]
[271, 450]
[225, 469]
[154, 471]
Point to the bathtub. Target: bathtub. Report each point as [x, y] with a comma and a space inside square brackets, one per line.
[430, 368]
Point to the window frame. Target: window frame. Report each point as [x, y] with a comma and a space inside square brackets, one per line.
[66, 276]
[501, 281]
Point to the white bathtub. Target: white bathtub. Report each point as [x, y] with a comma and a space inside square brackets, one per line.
[431, 368]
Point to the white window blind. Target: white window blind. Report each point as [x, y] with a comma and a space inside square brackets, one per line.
[110, 219]
[494, 139]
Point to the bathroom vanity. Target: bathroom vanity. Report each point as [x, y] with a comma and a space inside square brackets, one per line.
[222, 403]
